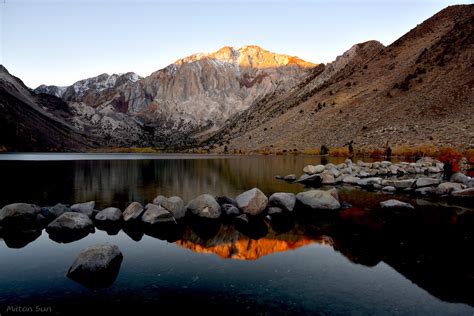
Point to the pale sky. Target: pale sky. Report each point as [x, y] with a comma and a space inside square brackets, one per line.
[62, 41]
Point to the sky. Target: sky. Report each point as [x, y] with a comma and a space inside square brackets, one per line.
[62, 41]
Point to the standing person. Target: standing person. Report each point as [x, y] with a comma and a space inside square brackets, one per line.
[350, 148]
[447, 170]
[388, 152]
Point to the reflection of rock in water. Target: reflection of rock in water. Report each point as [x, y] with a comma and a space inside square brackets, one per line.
[96, 266]
[21, 238]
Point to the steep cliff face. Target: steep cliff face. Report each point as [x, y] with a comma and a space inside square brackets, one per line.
[416, 91]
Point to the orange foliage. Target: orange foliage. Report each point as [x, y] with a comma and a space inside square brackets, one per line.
[376, 153]
[469, 154]
[339, 151]
[449, 153]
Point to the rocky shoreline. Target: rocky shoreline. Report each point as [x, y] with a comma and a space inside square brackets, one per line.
[422, 178]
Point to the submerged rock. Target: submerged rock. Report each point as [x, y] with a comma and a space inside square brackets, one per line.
[70, 226]
[97, 266]
[395, 204]
[205, 206]
[252, 202]
[285, 201]
[133, 212]
[84, 208]
[318, 200]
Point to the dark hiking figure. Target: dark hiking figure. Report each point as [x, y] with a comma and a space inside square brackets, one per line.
[324, 150]
[447, 170]
[351, 148]
[388, 153]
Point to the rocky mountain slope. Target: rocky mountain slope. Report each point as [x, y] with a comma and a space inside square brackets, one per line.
[418, 90]
[31, 122]
[193, 96]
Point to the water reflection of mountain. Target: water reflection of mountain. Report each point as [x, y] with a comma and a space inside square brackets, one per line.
[433, 249]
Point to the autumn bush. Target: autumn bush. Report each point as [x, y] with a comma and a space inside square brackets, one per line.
[339, 151]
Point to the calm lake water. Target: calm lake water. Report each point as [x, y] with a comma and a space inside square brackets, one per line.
[361, 261]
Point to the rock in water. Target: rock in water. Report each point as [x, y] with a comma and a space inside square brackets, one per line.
[84, 208]
[252, 202]
[285, 201]
[18, 215]
[205, 206]
[317, 200]
[69, 227]
[57, 210]
[155, 214]
[96, 266]
[395, 204]
[426, 182]
[133, 211]
[110, 214]
[230, 210]
[174, 204]
[459, 177]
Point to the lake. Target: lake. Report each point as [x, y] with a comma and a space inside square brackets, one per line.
[360, 261]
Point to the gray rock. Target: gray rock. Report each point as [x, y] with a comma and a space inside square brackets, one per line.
[285, 201]
[307, 179]
[389, 188]
[449, 187]
[205, 206]
[395, 204]
[70, 226]
[155, 214]
[309, 169]
[278, 177]
[333, 170]
[425, 182]
[290, 177]
[230, 210]
[327, 177]
[58, 209]
[399, 184]
[363, 174]
[318, 200]
[97, 266]
[434, 170]
[275, 210]
[19, 214]
[464, 193]
[133, 211]
[350, 180]
[110, 214]
[173, 204]
[252, 202]
[385, 164]
[84, 208]
[369, 181]
[425, 190]
[459, 177]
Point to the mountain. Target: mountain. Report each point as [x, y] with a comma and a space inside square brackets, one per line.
[191, 97]
[416, 91]
[31, 122]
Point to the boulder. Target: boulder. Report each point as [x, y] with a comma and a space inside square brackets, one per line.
[69, 227]
[314, 179]
[174, 204]
[369, 181]
[425, 190]
[350, 180]
[133, 212]
[425, 182]
[395, 204]
[275, 210]
[19, 215]
[285, 201]
[333, 170]
[399, 184]
[459, 177]
[225, 200]
[230, 210]
[84, 208]
[464, 193]
[317, 200]
[205, 206]
[434, 170]
[385, 164]
[155, 214]
[97, 266]
[364, 174]
[309, 169]
[290, 177]
[58, 209]
[110, 214]
[252, 202]
[389, 188]
[327, 177]
[449, 187]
